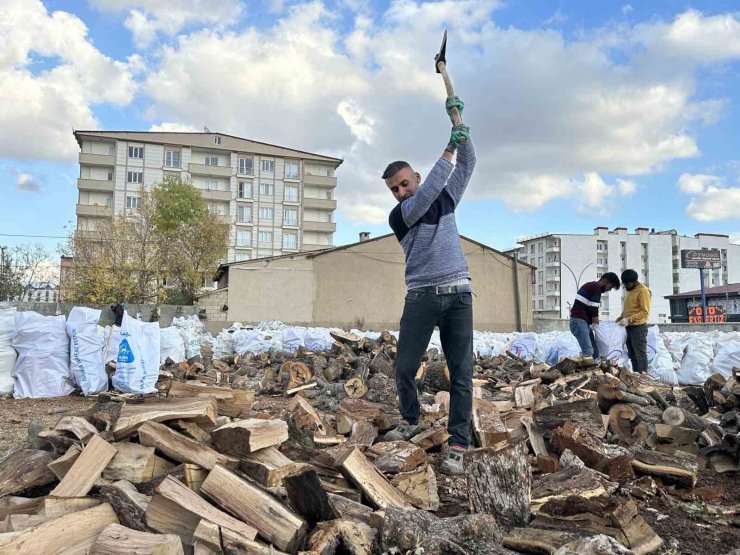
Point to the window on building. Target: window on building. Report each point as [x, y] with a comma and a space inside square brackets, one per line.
[539, 261]
[210, 184]
[290, 241]
[243, 238]
[291, 193]
[292, 170]
[541, 305]
[290, 216]
[133, 202]
[244, 214]
[531, 248]
[135, 177]
[540, 289]
[242, 256]
[110, 176]
[599, 274]
[265, 236]
[216, 140]
[267, 165]
[136, 152]
[266, 213]
[172, 158]
[540, 275]
[211, 160]
[267, 189]
[111, 150]
[600, 261]
[540, 247]
[47, 296]
[244, 189]
[329, 195]
[245, 166]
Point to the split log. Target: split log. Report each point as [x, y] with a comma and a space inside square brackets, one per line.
[25, 469]
[342, 536]
[275, 523]
[194, 476]
[488, 427]
[61, 466]
[18, 523]
[436, 377]
[55, 507]
[499, 482]
[431, 438]
[382, 363]
[180, 448]
[624, 421]
[334, 370]
[176, 509]
[363, 434]
[119, 540]
[535, 436]
[230, 402]
[128, 504]
[267, 466]
[570, 481]
[359, 409]
[676, 434]
[86, 469]
[421, 532]
[677, 468]
[352, 340]
[304, 422]
[307, 496]
[58, 439]
[133, 416]
[420, 486]
[73, 533]
[356, 511]
[136, 464]
[538, 540]
[235, 544]
[373, 484]
[581, 442]
[77, 426]
[584, 413]
[250, 435]
[676, 416]
[396, 456]
[207, 534]
[609, 394]
[192, 430]
[355, 388]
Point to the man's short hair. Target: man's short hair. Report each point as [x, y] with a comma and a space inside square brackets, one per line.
[394, 167]
[629, 276]
[612, 278]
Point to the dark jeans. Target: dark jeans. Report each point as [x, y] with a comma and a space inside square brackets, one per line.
[637, 347]
[454, 316]
[585, 337]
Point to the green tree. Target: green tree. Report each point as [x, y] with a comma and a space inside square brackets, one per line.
[178, 202]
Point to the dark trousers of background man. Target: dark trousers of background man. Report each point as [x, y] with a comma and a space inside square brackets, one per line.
[453, 314]
[637, 347]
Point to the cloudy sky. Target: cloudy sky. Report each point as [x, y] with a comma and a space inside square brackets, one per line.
[583, 113]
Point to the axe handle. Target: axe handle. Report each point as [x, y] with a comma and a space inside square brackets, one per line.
[456, 117]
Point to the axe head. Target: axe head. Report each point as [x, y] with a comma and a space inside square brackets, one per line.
[440, 57]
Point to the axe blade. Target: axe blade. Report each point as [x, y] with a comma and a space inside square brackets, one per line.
[440, 57]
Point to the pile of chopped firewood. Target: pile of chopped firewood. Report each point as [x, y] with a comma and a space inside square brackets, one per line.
[284, 453]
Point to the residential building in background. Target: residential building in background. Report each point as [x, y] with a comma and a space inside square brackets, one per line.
[40, 293]
[566, 261]
[276, 200]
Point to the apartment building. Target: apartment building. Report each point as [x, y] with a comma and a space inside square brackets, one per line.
[276, 200]
[564, 262]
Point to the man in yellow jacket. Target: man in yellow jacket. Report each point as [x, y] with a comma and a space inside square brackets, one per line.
[635, 316]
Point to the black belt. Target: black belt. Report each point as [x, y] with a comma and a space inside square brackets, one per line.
[445, 289]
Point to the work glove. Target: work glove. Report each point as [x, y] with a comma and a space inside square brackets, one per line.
[459, 134]
[454, 102]
[624, 321]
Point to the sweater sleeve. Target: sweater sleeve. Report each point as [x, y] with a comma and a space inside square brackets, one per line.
[643, 306]
[413, 208]
[464, 165]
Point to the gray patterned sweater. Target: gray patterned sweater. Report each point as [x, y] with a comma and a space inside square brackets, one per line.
[425, 225]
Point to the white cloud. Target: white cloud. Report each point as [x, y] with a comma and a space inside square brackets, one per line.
[549, 114]
[27, 183]
[715, 204]
[40, 108]
[171, 127]
[697, 183]
[627, 8]
[148, 18]
[735, 238]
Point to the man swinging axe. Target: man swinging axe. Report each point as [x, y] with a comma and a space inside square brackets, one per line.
[437, 277]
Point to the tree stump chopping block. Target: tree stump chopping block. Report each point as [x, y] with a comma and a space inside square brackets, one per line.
[499, 482]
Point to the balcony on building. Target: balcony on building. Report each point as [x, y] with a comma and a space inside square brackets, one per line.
[552, 263]
[319, 180]
[553, 248]
[314, 247]
[94, 210]
[552, 278]
[320, 203]
[210, 194]
[105, 185]
[204, 169]
[323, 227]
[90, 159]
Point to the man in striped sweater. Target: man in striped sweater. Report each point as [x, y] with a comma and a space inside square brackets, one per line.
[585, 312]
[438, 282]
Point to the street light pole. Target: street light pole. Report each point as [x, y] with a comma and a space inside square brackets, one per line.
[578, 279]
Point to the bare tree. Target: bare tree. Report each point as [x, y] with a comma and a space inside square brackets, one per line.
[22, 268]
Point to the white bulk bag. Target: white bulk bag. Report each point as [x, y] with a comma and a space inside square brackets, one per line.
[223, 345]
[171, 345]
[111, 340]
[249, 341]
[696, 362]
[727, 358]
[293, 339]
[137, 367]
[86, 350]
[660, 363]
[42, 368]
[8, 355]
[523, 345]
[610, 341]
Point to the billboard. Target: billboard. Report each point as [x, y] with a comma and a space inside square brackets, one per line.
[705, 258]
[715, 315]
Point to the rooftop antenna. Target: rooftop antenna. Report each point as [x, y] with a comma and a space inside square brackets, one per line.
[206, 130]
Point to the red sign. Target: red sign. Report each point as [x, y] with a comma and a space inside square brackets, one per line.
[715, 315]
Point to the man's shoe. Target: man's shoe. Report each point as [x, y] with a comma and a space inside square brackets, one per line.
[403, 432]
[588, 360]
[453, 464]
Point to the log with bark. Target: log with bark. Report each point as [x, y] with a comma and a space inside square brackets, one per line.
[538, 540]
[25, 469]
[379, 491]
[267, 466]
[396, 456]
[115, 539]
[581, 442]
[676, 416]
[488, 427]
[307, 496]
[61, 466]
[230, 402]
[571, 481]
[77, 426]
[128, 504]
[583, 413]
[499, 481]
[342, 536]
[133, 416]
[181, 448]
[79, 480]
[136, 464]
[420, 486]
[677, 468]
[249, 435]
